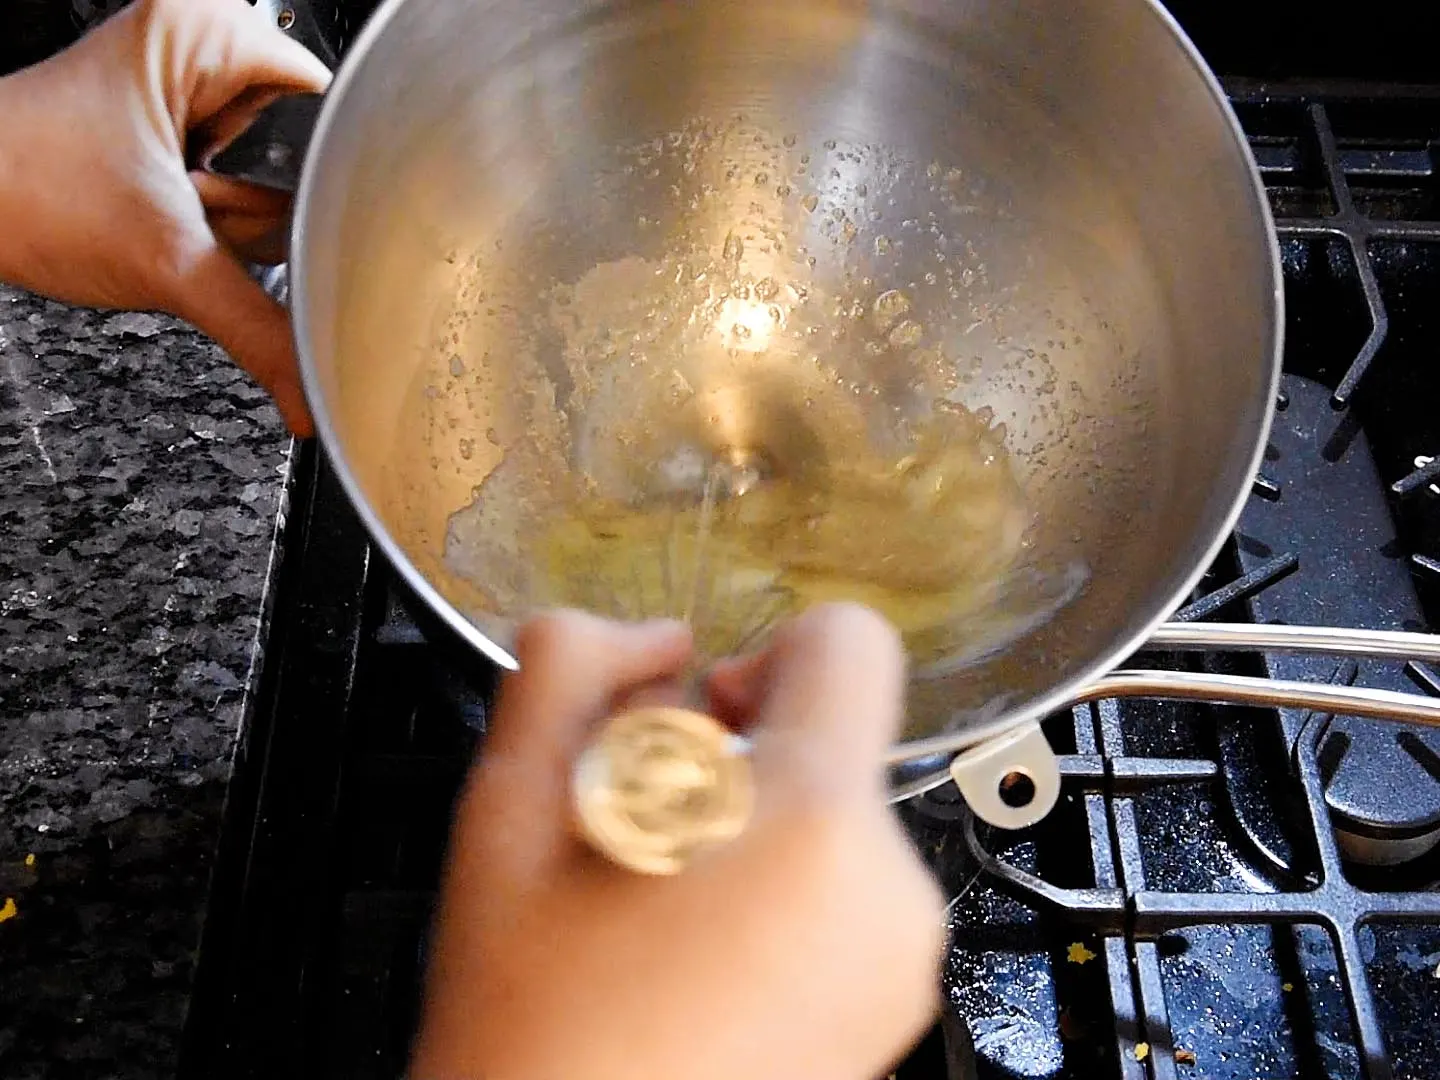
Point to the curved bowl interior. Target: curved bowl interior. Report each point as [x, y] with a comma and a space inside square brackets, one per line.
[499, 188]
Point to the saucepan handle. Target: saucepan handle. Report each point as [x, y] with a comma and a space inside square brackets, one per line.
[982, 771]
[1276, 637]
[1271, 693]
[265, 147]
[646, 762]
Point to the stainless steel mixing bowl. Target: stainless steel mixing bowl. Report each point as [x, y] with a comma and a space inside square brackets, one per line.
[1060, 191]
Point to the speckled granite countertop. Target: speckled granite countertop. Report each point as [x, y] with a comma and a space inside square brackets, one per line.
[141, 480]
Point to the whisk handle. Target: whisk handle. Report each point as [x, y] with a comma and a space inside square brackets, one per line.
[659, 785]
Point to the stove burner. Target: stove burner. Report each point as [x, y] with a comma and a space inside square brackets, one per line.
[1382, 780]
[943, 805]
[1184, 912]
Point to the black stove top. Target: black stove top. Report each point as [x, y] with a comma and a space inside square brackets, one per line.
[1222, 892]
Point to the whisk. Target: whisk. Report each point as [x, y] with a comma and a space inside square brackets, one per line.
[659, 785]
[691, 574]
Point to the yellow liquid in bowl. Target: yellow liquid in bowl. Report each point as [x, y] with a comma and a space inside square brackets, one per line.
[929, 539]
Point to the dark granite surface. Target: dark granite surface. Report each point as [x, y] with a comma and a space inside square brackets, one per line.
[141, 479]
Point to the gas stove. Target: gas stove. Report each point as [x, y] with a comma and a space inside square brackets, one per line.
[1221, 893]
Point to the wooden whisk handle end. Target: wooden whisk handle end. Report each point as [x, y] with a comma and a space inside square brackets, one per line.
[658, 786]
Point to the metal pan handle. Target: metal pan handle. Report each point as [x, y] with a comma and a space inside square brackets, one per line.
[919, 765]
[1243, 690]
[1240, 690]
[1271, 693]
[1270, 637]
[265, 147]
[261, 138]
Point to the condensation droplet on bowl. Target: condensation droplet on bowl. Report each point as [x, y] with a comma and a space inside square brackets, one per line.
[889, 306]
[908, 332]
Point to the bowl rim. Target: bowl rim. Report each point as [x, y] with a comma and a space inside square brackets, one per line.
[1064, 692]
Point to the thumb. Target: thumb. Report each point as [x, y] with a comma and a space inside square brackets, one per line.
[832, 702]
[220, 298]
[219, 50]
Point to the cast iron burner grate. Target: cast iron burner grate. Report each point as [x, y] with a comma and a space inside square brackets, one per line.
[1258, 898]
[1188, 897]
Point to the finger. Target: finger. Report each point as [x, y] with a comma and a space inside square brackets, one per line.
[834, 702]
[254, 240]
[219, 297]
[223, 196]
